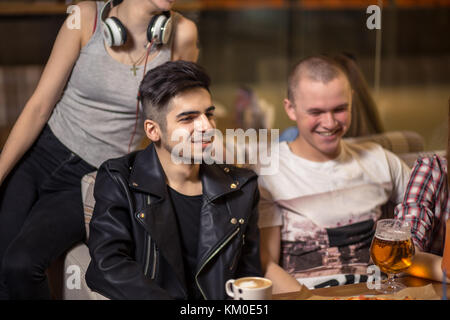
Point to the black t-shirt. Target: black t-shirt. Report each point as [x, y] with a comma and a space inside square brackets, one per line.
[187, 210]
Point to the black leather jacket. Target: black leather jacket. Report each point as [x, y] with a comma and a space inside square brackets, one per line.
[134, 240]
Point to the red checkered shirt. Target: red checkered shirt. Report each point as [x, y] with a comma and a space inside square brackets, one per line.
[426, 204]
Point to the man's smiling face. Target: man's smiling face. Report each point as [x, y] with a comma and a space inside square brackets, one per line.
[323, 115]
[191, 120]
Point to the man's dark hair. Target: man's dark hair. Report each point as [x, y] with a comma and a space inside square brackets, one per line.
[164, 82]
[318, 68]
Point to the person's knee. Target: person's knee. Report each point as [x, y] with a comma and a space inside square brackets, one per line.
[19, 265]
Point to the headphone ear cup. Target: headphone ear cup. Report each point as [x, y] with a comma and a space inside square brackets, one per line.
[160, 29]
[114, 32]
[166, 31]
[151, 29]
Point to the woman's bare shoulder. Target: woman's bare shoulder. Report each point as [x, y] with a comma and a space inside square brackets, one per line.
[186, 27]
[88, 16]
[186, 38]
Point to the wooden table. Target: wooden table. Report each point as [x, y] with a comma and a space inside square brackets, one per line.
[360, 288]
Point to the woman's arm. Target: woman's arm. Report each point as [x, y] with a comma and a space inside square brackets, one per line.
[270, 255]
[185, 42]
[427, 265]
[39, 107]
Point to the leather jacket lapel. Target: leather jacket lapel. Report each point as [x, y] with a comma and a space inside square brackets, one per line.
[217, 222]
[215, 226]
[147, 174]
[216, 182]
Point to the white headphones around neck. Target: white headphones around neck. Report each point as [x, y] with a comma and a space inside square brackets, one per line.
[115, 33]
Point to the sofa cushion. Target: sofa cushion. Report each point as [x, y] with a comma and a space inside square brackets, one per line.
[395, 141]
[75, 265]
[78, 258]
[411, 157]
[87, 193]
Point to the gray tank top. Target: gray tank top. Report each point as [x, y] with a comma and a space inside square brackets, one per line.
[96, 114]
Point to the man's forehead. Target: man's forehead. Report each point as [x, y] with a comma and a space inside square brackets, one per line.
[198, 98]
[308, 86]
[321, 96]
[306, 78]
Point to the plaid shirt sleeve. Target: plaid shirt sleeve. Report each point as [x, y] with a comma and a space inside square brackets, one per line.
[420, 205]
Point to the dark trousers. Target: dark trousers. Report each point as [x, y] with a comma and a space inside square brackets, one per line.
[41, 216]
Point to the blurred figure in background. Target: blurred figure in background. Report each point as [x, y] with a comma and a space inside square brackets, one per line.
[251, 111]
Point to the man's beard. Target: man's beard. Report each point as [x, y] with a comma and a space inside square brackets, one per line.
[195, 154]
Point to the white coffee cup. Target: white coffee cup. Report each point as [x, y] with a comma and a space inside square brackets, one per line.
[249, 288]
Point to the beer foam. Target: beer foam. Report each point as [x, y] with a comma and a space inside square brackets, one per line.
[248, 284]
[394, 235]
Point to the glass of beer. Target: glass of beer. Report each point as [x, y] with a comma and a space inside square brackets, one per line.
[392, 250]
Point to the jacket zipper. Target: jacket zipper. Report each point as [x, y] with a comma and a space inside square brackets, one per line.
[148, 251]
[238, 253]
[147, 260]
[235, 232]
[155, 260]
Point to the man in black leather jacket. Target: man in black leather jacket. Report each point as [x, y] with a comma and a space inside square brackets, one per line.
[167, 230]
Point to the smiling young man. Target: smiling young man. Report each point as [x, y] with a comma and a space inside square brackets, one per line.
[164, 229]
[318, 213]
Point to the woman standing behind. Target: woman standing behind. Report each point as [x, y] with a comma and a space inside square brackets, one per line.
[83, 112]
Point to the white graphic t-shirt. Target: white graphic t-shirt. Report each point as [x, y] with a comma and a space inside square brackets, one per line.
[327, 210]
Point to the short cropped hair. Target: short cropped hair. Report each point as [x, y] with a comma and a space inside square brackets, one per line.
[318, 68]
[164, 82]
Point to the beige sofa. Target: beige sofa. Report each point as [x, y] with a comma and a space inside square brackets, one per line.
[407, 145]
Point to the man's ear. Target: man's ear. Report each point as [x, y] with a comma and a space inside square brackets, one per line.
[289, 107]
[152, 130]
